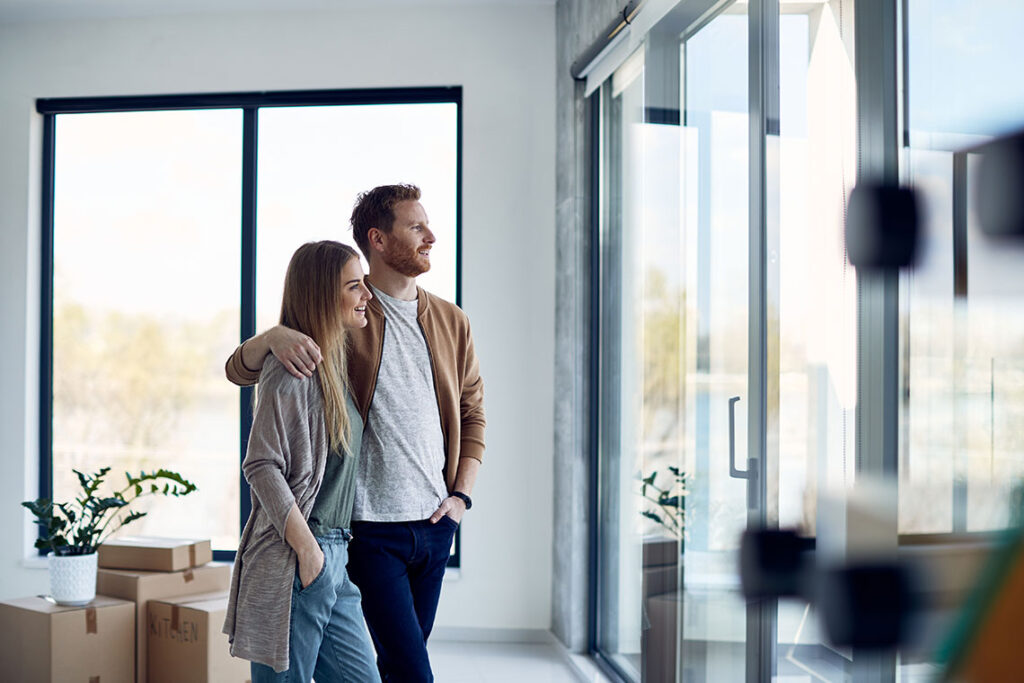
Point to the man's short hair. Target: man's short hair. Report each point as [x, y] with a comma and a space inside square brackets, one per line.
[375, 209]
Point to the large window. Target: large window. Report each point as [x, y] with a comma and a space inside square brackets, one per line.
[168, 226]
[961, 454]
[146, 272]
[962, 445]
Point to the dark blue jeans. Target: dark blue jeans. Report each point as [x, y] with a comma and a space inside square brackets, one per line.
[399, 567]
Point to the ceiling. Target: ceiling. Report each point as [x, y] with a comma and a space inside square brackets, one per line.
[20, 11]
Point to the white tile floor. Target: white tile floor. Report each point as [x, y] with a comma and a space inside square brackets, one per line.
[462, 662]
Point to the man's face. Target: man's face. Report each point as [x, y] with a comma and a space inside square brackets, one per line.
[407, 246]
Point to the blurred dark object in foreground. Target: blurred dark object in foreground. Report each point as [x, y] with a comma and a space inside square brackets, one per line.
[1000, 187]
[774, 563]
[883, 603]
[868, 606]
[881, 226]
[863, 605]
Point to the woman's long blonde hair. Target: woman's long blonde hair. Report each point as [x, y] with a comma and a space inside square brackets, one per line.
[312, 305]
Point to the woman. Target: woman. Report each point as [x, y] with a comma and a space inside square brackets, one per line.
[293, 610]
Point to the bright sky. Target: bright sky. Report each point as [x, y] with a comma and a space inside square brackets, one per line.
[148, 204]
[964, 62]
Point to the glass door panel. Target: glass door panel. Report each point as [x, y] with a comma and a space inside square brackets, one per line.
[624, 322]
[817, 289]
[715, 224]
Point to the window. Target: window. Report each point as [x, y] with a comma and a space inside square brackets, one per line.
[146, 271]
[962, 340]
[726, 321]
[308, 181]
[172, 222]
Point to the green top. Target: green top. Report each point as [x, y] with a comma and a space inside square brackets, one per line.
[333, 506]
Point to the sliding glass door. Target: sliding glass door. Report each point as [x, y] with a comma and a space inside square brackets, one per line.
[727, 331]
[674, 352]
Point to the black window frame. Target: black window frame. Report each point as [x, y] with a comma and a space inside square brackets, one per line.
[250, 103]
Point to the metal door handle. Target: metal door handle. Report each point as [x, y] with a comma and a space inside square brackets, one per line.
[733, 470]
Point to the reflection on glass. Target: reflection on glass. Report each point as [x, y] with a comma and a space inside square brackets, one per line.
[817, 297]
[313, 161]
[146, 291]
[715, 182]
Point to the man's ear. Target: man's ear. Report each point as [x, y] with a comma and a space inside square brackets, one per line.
[375, 236]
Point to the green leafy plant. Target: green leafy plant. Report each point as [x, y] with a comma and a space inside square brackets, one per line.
[78, 527]
[666, 506]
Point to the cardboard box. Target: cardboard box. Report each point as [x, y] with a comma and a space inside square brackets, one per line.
[186, 644]
[43, 641]
[140, 587]
[156, 554]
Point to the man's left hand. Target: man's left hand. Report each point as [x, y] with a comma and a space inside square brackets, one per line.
[451, 506]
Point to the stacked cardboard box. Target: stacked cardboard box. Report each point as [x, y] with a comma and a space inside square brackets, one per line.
[135, 582]
[43, 641]
[154, 553]
[185, 642]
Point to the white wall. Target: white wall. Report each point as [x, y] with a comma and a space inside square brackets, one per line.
[503, 57]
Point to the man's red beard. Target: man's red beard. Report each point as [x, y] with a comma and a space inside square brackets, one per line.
[404, 260]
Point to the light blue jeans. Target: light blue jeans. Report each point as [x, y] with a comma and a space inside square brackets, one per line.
[327, 639]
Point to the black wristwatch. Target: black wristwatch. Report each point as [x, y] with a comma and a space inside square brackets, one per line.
[464, 498]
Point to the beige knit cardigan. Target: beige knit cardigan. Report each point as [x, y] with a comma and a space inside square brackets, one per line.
[284, 464]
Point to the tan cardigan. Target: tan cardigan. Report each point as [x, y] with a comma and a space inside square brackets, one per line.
[284, 463]
[457, 383]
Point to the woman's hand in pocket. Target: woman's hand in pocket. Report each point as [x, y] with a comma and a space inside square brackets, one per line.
[310, 565]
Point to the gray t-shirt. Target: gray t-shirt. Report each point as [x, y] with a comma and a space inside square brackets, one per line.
[400, 471]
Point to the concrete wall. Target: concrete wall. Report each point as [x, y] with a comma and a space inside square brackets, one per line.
[502, 56]
[579, 23]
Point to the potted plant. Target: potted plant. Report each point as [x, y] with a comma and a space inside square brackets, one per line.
[666, 506]
[72, 531]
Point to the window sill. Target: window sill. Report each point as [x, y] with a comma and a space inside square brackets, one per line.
[35, 562]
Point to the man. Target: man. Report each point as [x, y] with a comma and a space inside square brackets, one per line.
[415, 379]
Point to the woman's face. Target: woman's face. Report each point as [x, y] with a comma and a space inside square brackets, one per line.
[354, 295]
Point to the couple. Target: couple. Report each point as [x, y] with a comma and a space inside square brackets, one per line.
[365, 444]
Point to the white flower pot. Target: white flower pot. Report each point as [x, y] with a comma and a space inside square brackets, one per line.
[73, 579]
